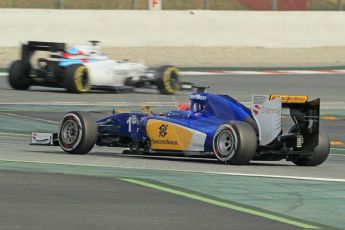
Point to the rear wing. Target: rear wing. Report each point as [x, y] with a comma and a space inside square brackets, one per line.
[32, 46]
[305, 114]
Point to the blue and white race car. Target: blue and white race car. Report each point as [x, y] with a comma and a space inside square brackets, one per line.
[213, 125]
[82, 68]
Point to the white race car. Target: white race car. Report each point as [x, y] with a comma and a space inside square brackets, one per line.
[84, 67]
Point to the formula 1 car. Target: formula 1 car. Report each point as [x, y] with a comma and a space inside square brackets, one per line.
[214, 125]
[84, 67]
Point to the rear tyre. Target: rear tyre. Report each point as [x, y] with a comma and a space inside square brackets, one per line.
[77, 79]
[77, 133]
[168, 80]
[19, 75]
[320, 153]
[235, 143]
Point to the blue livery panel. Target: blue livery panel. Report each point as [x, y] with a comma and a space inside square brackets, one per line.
[190, 130]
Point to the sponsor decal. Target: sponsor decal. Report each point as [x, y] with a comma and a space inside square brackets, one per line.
[290, 99]
[266, 110]
[163, 130]
[256, 109]
[165, 142]
[134, 119]
[167, 135]
[197, 97]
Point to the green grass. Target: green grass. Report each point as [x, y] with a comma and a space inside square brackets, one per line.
[47, 4]
[73, 4]
[324, 4]
[226, 5]
[122, 4]
[142, 4]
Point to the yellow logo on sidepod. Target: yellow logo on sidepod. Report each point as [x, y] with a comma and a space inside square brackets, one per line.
[168, 136]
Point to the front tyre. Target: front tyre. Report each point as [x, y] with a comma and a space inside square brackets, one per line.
[19, 75]
[77, 79]
[235, 143]
[168, 80]
[77, 133]
[319, 155]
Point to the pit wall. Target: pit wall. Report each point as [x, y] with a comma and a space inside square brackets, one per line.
[124, 28]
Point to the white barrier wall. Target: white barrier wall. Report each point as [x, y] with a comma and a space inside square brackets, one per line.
[174, 28]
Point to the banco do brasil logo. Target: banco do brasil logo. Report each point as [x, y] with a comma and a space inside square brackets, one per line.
[163, 130]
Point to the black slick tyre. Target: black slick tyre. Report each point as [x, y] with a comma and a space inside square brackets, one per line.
[319, 155]
[19, 75]
[235, 143]
[168, 80]
[77, 133]
[77, 79]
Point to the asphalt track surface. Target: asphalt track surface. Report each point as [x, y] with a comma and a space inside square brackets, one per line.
[36, 201]
[119, 204]
[49, 198]
[330, 88]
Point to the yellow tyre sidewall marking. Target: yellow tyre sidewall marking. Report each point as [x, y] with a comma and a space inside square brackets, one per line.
[167, 78]
[78, 77]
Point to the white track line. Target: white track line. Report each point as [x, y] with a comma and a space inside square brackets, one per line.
[29, 118]
[338, 149]
[189, 171]
[336, 154]
[261, 72]
[197, 73]
[280, 176]
[15, 134]
[244, 73]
